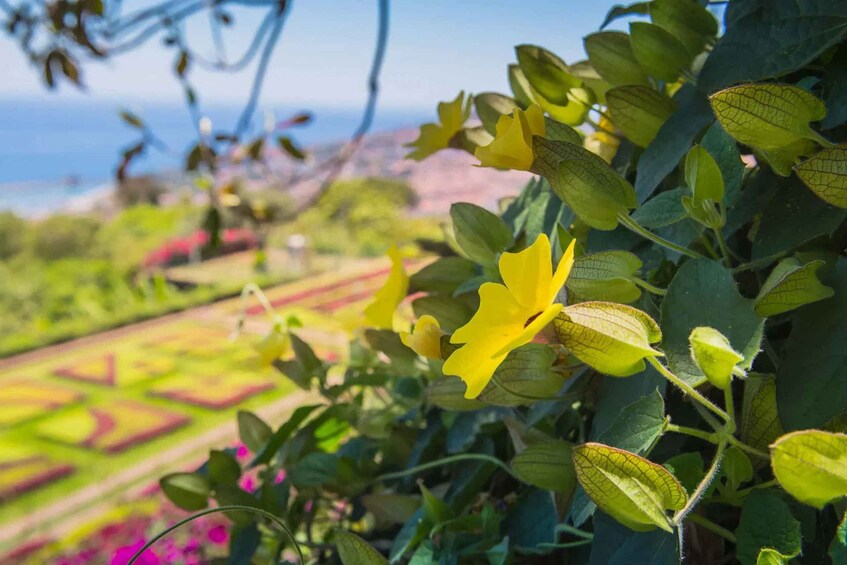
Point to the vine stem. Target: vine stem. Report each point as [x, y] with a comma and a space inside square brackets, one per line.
[445, 461]
[688, 389]
[253, 289]
[229, 508]
[649, 287]
[694, 432]
[627, 222]
[712, 527]
[698, 493]
[574, 531]
[749, 449]
[727, 258]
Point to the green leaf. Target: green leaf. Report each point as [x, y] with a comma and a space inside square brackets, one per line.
[639, 111]
[287, 144]
[532, 520]
[826, 175]
[724, 151]
[607, 275]
[766, 521]
[223, 468]
[688, 468]
[838, 547]
[315, 469]
[451, 312]
[631, 489]
[618, 11]
[768, 116]
[770, 41]
[435, 509]
[674, 139]
[490, 106]
[638, 425]
[610, 53]
[793, 205]
[662, 210]
[479, 233]
[812, 466]
[252, 430]
[810, 381]
[546, 73]
[703, 293]
[713, 354]
[520, 86]
[188, 491]
[131, 119]
[689, 22]
[281, 435]
[615, 544]
[760, 425]
[547, 465]
[703, 176]
[611, 338]
[789, 286]
[353, 550]
[442, 276]
[557, 131]
[391, 508]
[527, 370]
[448, 393]
[768, 556]
[595, 192]
[736, 467]
[660, 53]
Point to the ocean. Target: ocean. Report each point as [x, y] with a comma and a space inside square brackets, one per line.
[53, 152]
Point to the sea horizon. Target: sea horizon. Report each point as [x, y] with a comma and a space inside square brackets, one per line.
[55, 153]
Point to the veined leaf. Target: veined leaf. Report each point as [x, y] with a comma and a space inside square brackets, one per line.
[768, 116]
[689, 22]
[605, 276]
[736, 467]
[639, 111]
[770, 556]
[527, 370]
[610, 53]
[595, 192]
[579, 101]
[760, 425]
[612, 338]
[549, 153]
[353, 550]
[766, 521]
[631, 489]
[811, 465]
[546, 73]
[660, 53]
[714, 355]
[547, 465]
[448, 393]
[825, 173]
[789, 286]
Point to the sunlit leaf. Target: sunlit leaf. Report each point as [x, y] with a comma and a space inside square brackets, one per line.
[714, 355]
[825, 173]
[353, 550]
[610, 53]
[789, 286]
[760, 425]
[631, 489]
[547, 465]
[736, 467]
[811, 465]
[546, 73]
[607, 275]
[660, 53]
[612, 338]
[639, 111]
[770, 556]
[480, 234]
[595, 192]
[490, 106]
[703, 176]
[689, 22]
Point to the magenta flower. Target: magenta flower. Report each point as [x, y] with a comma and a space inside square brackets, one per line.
[218, 535]
[124, 554]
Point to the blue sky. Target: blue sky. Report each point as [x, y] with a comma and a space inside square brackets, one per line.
[437, 47]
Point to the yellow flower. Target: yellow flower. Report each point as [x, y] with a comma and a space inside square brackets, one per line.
[512, 146]
[273, 346]
[433, 137]
[509, 315]
[380, 312]
[425, 339]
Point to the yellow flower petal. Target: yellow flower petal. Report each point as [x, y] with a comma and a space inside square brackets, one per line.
[562, 271]
[528, 275]
[499, 317]
[475, 364]
[380, 312]
[512, 146]
[425, 339]
[434, 137]
[533, 328]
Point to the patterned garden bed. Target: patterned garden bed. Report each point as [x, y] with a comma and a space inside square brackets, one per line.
[22, 400]
[22, 470]
[212, 391]
[111, 427]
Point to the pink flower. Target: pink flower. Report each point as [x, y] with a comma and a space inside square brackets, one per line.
[242, 451]
[218, 535]
[248, 483]
[279, 477]
[124, 554]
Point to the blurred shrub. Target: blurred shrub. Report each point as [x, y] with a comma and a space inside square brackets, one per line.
[63, 236]
[12, 234]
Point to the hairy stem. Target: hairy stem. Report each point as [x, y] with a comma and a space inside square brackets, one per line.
[712, 527]
[698, 493]
[688, 389]
[649, 287]
[749, 449]
[630, 224]
[694, 432]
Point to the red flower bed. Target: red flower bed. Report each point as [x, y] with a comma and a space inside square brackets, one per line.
[181, 250]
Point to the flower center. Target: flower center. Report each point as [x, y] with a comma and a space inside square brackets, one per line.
[531, 319]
